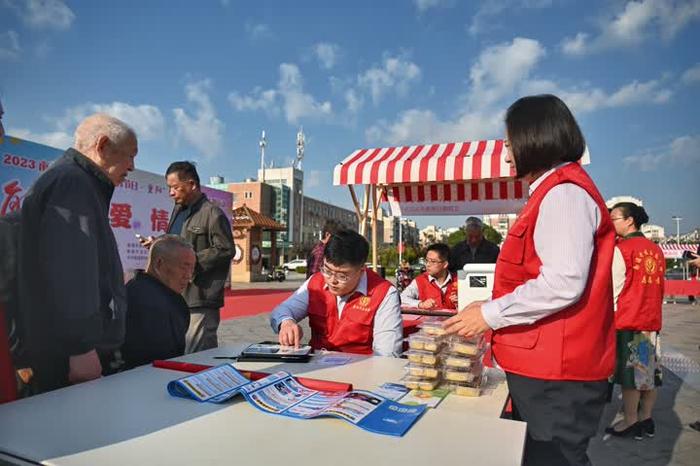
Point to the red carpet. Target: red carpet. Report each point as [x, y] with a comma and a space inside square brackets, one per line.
[246, 303]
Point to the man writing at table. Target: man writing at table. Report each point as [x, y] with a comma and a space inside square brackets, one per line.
[350, 309]
[437, 287]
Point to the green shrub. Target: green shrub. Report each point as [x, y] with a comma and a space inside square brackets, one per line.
[301, 270]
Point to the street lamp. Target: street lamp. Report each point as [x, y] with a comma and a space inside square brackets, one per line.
[678, 219]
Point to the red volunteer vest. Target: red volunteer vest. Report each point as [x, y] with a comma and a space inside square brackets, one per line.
[429, 289]
[639, 303]
[578, 342]
[354, 331]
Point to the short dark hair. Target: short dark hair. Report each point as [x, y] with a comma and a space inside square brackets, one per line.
[630, 209]
[331, 226]
[185, 170]
[441, 249]
[542, 133]
[346, 247]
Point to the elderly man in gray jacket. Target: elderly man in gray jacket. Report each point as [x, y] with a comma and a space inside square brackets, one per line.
[71, 293]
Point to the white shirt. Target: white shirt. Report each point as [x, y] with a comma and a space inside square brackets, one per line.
[564, 241]
[388, 324]
[619, 272]
[410, 296]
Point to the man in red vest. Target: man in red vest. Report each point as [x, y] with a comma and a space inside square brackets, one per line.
[638, 286]
[350, 308]
[552, 305]
[437, 287]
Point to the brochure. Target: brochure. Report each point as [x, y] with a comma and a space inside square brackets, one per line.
[430, 398]
[283, 395]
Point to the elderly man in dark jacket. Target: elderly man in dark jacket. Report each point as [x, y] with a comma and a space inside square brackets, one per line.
[158, 315]
[205, 226]
[71, 291]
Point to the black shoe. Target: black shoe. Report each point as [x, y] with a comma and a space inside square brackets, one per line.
[635, 430]
[648, 427]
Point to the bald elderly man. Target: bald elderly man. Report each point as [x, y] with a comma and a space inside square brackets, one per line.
[72, 297]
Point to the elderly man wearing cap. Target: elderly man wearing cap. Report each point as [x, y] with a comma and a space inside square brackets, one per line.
[475, 249]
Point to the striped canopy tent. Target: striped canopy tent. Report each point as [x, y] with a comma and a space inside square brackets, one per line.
[459, 178]
[675, 250]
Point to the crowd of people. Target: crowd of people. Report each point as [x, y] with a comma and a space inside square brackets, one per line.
[576, 299]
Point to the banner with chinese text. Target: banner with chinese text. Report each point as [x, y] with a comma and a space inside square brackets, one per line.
[140, 205]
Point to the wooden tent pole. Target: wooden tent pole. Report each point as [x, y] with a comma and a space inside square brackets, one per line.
[356, 203]
[365, 208]
[374, 228]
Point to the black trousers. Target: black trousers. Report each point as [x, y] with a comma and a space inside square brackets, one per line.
[561, 417]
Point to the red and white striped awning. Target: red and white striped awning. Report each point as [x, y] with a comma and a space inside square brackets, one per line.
[468, 177]
[675, 251]
[461, 161]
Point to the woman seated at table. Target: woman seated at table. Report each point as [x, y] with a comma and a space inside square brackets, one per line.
[437, 287]
[350, 308]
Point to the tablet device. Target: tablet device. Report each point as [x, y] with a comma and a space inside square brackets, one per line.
[273, 351]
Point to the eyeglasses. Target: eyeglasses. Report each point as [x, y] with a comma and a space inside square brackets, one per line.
[341, 277]
[433, 261]
[617, 218]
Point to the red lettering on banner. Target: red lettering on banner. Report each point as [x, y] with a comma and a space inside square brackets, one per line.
[120, 216]
[11, 202]
[159, 220]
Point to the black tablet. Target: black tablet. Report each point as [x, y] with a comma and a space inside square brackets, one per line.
[273, 351]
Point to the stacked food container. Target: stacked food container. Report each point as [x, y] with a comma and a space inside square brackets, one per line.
[435, 359]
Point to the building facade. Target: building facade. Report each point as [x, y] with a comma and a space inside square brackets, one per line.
[315, 215]
[500, 222]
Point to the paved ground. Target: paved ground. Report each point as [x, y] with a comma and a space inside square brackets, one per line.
[677, 406]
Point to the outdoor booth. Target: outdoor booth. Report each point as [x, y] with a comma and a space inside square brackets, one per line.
[460, 178]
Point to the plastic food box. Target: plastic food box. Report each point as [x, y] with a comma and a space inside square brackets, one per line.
[433, 326]
[422, 357]
[459, 361]
[462, 375]
[472, 388]
[464, 346]
[420, 370]
[413, 382]
[425, 342]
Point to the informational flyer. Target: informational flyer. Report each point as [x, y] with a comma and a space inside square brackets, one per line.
[281, 394]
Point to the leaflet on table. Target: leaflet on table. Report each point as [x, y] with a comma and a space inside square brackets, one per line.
[369, 411]
[281, 394]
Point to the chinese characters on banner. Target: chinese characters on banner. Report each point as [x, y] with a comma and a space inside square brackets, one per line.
[140, 205]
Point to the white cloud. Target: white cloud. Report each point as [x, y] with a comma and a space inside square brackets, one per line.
[396, 73]
[312, 179]
[259, 99]
[636, 22]
[50, 14]
[483, 19]
[418, 126]
[258, 31]
[682, 151]
[204, 130]
[692, 75]
[9, 45]
[586, 100]
[146, 120]
[354, 101]
[500, 74]
[500, 68]
[58, 139]
[297, 103]
[289, 97]
[575, 45]
[424, 5]
[327, 54]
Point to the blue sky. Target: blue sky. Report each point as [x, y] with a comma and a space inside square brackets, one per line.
[200, 80]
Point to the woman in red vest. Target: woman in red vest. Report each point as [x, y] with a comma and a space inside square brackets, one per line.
[552, 309]
[638, 286]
